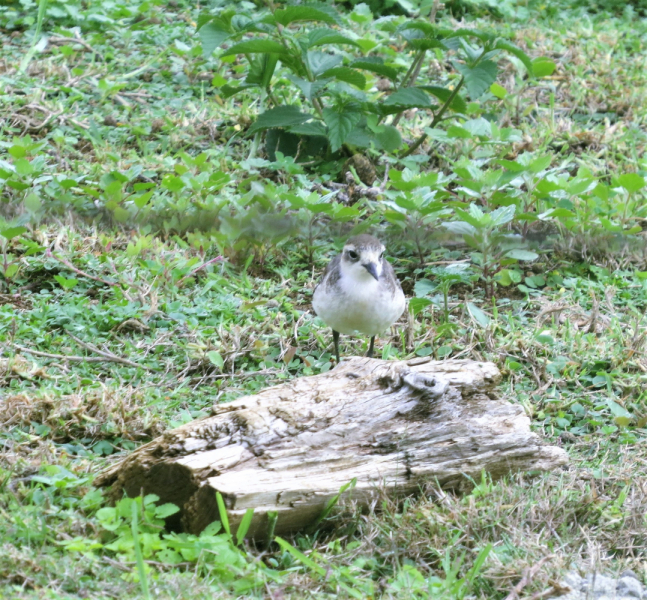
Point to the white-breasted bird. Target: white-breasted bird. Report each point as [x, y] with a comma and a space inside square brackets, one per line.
[359, 291]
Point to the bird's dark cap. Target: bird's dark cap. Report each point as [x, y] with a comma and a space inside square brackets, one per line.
[364, 241]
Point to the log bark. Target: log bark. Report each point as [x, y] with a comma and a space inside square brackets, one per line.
[393, 426]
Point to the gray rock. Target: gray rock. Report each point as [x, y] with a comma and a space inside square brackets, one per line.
[629, 587]
[594, 586]
[599, 584]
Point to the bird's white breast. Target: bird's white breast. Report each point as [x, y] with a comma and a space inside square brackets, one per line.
[351, 305]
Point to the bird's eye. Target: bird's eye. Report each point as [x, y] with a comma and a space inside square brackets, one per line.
[353, 255]
[381, 255]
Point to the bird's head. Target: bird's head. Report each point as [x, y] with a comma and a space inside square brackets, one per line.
[362, 258]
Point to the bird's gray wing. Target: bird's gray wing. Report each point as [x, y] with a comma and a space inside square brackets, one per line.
[331, 274]
[389, 277]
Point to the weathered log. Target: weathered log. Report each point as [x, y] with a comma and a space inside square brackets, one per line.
[393, 426]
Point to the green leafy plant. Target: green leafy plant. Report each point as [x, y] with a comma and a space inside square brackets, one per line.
[333, 83]
[494, 248]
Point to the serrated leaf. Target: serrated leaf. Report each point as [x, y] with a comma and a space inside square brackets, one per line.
[261, 70]
[377, 66]
[12, 232]
[423, 287]
[340, 124]
[319, 37]
[406, 98]
[292, 14]
[503, 215]
[255, 47]
[389, 138]
[280, 116]
[460, 227]
[542, 66]
[479, 78]
[455, 131]
[211, 36]
[418, 304]
[320, 61]
[310, 89]
[458, 103]
[347, 75]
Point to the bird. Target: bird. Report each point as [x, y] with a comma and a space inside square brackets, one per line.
[359, 291]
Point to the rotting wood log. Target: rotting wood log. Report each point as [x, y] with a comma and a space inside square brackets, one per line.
[394, 426]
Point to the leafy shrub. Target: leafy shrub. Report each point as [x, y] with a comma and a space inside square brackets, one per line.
[335, 84]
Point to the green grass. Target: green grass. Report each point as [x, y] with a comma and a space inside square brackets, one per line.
[152, 314]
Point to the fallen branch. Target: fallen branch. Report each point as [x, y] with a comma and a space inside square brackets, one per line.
[392, 426]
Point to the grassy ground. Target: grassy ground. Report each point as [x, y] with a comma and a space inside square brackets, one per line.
[125, 330]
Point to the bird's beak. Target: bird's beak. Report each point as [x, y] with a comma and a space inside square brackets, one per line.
[372, 269]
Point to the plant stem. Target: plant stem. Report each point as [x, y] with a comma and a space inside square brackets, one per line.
[437, 118]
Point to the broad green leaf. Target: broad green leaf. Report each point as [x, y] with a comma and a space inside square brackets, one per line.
[516, 51]
[255, 47]
[319, 37]
[542, 66]
[406, 98]
[11, 270]
[458, 103]
[507, 277]
[610, 225]
[418, 304]
[261, 70]
[478, 79]
[340, 124]
[511, 165]
[12, 232]
[310, 89]
[375, 65]
[519, 254]
[460, 227]
[540, 164]
[166, 510]
[423, 287]
[321, 61]
[32, 202]
[280, 116]
[292, 14]
[454, 131]
[312, 128]
[502, 215]
[498, 91]
[389, 138]
[631, 182]
[479, 316]
[215, 359]
[618, 411]
[212, 35]
[348, 75]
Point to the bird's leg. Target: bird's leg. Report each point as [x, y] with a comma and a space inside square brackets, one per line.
[335, 337]
[370, 348]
